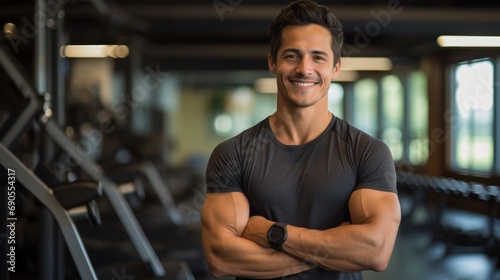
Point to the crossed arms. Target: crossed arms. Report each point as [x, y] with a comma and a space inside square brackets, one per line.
[236, 244]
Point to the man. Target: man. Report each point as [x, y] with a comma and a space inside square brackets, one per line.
[302, 194]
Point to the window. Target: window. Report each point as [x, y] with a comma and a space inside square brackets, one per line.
[233, 111]
[365, 106]
[392, 114]
[418, 116]
[471, 119]
[335, 100]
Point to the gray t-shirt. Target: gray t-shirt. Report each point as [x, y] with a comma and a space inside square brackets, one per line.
[302, 185]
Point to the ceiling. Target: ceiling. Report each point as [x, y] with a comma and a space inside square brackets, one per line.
[233, 34]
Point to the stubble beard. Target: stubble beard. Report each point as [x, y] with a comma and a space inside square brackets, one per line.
[304, 104]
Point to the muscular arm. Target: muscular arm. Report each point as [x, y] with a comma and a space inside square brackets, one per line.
[367, 243]
[224, 217]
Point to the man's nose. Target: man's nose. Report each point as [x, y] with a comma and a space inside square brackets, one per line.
[305, 66]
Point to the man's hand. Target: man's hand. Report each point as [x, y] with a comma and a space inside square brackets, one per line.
[256, 230]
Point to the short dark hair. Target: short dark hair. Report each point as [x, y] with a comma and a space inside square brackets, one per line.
[304, 12]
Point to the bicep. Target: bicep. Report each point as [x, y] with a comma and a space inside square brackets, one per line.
[225, 213]
[368, 206]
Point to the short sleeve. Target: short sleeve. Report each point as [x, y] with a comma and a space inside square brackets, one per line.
[223, 172]
[376, 168]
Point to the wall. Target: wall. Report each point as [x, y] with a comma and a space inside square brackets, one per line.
[193, 136]
[193, 120]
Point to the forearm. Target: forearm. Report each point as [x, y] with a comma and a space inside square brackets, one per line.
[366, 244]
[224, 218]
[344, 248]
[236, 256]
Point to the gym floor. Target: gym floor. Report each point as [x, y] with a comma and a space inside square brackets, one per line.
[416, 258]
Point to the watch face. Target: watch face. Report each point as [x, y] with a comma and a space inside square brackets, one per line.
[276, 234]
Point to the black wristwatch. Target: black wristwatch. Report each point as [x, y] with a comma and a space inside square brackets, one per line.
[276, 235]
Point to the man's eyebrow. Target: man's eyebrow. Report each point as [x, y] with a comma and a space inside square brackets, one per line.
[292, 50]
[299, 51]
[319, 52]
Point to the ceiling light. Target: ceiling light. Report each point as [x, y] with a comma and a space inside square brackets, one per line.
[9, 28]
[468, 41]
[366, 63]
[94, 51]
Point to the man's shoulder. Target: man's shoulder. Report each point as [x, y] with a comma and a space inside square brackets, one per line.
[347, 132]
[353, 136]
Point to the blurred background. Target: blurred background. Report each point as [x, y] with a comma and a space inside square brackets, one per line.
[193, 73]
[169, 80]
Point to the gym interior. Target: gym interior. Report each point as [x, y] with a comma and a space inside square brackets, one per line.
[109, 111]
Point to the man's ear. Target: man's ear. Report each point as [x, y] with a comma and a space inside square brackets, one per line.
[336, 70]
[271, 64]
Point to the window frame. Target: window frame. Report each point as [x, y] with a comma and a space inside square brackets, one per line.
[451, 85]
[403, 76]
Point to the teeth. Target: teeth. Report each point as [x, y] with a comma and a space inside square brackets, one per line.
[303, 84]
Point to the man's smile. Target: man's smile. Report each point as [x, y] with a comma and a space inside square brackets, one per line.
[302, 82]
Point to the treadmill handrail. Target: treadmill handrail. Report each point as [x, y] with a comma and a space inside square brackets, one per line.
[43, 194]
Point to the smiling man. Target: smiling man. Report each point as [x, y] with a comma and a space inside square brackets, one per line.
[302, 194]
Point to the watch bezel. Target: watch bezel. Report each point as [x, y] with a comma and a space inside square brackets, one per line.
[277, 243]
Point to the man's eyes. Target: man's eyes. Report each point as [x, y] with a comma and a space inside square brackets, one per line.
[295, 57]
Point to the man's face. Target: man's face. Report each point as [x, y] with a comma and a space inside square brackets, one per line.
[304, 64]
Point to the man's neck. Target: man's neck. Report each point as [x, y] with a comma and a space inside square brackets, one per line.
[300, 126]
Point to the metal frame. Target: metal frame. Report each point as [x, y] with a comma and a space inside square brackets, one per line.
[27, 91]
[43, 193]
[158, 184]
[117, 200]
